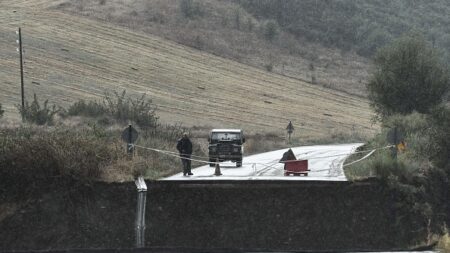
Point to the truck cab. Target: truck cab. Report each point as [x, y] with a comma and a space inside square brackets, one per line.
[226, 145]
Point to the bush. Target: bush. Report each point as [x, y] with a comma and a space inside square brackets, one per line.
[414, 160]
[250, 24]
[165, 137]
[82, 108]
[259, 143]
[1, 111]
[41, 157]
[124, 109]
[440, 138]
[409, 77]
[119, 107]
[37, 114]
[415, 130]
[376, 38]
[190, 8]
[361, 25]
[419, 177]
[237, 18]
[270, 30]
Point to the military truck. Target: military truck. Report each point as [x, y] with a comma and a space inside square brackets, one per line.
[226, 145]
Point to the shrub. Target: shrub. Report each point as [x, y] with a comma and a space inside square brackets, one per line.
[37, 114]
[91, 109]
[313, 78]
[414, 160]
[270, 30]
[41, 157]
[198, 43]
[250, 24]
[373, 38]
[415, 131]
[1, 111]
[409, 77]
[165, 137]
[237, 19]
[124, 109]
[120, 107]
[440, 138]
[419, 177]
[385, 166]
[190, 9]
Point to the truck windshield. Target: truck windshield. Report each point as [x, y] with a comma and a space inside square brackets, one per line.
[225, 136]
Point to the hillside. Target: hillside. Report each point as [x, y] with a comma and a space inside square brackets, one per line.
[230, 30]
[362, 26]
[68, 57]
[322, 42]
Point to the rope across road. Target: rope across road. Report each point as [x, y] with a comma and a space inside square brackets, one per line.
[202, 159]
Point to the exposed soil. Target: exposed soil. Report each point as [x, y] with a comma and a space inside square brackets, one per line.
[246, 215]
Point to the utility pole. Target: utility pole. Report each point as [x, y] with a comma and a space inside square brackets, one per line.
[19, 32]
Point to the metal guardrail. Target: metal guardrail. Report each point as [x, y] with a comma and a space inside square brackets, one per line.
[140, 212]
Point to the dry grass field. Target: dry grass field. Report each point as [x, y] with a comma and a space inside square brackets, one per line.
[226, 29]
[69, 57]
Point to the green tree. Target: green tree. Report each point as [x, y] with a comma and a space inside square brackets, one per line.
[409, 76]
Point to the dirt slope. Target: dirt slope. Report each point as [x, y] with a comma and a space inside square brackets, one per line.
[68, 57]
[306, 216]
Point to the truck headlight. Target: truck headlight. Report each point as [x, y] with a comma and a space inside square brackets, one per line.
[236, 149]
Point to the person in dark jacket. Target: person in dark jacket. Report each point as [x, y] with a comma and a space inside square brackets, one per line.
[184, 146]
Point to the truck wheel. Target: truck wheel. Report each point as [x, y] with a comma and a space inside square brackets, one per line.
[211, 163]
[239, 163]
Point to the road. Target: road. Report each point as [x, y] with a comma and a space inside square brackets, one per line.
[325, 163]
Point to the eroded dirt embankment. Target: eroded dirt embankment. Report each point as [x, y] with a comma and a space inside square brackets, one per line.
[245, 215]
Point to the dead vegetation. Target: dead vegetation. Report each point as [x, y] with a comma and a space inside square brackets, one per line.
[99, 56]
[87, 150]
[226, 29]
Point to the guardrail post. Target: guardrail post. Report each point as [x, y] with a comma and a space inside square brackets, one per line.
[140, 212]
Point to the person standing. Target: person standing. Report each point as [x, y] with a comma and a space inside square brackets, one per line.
[184, 146]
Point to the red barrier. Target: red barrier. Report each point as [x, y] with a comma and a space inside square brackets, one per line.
[296, 168]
